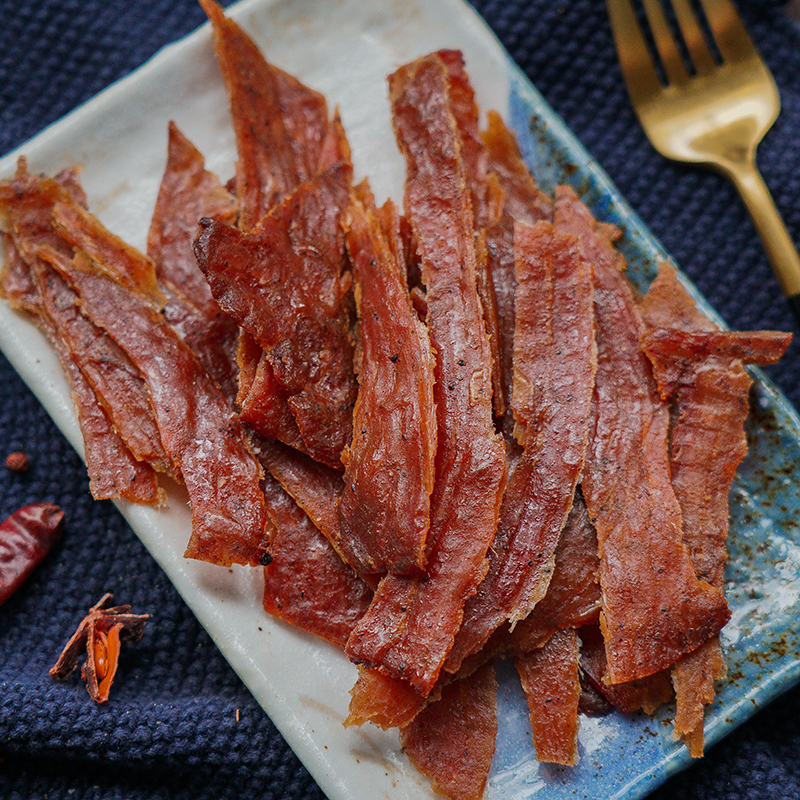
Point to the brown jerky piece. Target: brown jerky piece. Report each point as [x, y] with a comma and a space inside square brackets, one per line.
[306, 583]
[113, 469]
[383, 701]
[550, 678]
[572, 599]
[453, 739]
[262, 401]
[524, 202]
[26, 537]
[701, 368]
[188, 192]
[384, 510]
[274, 116]
[654, 607]
[642, 694]
[283, 284]
[475, 160]
[411, 623]
[198, 428]
[554, 365]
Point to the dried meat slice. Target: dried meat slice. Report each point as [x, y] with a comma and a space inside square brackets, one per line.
[306, 583]
[655, 609]
[199, 431]
[554, 366]
[113, 470]
[383, 701]
[283, 284]
[384, 510]
[188, 192]
[701, 368]
[523, 201]
[452, 740]
[411, 624]
[572, 599]
[27, 202]
[274, 116]
[551, 681]
[484, 211]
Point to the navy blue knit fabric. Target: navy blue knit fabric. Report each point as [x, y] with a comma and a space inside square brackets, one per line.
[171, 730]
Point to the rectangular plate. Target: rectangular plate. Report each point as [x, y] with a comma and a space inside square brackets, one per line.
[346, 48]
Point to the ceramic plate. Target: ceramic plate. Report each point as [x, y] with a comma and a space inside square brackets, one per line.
[346, 48]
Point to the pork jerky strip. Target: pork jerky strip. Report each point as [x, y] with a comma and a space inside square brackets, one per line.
[572, 599]
[523, 201]
[273, 116]
[452, 740]
[188, 192]
[475, 160]
[701, 368]
[283, 284]
[28, 201]
[550, 679]
[384, 510]
[282, 138]
[113, 470]
[306, 583]
[654, 608]
[411, 624]
[554, 366]
[198, 429]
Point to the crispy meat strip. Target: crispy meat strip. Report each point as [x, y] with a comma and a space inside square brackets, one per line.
[279, 123]
[701, 367]
[550, 679]
[452, 740]
[383, 701]
[523, 201]
[113, 470]
[188, 192]
[116, 381]
[199, 432]
[411, 623]
[306, 583]
[28, 203]
[384, 510]
[262, 401]
[283, 284]
[475, 160]
[554, 365]
[116, 258]
[572, 599]
[283, 137]
[655, 609]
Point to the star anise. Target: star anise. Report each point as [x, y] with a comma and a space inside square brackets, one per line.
[100, 633]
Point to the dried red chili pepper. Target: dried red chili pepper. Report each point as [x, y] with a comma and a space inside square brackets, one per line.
[25, 539]
[100, 633]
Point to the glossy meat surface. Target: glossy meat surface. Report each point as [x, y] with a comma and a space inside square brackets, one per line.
[655, 609]
[552, 688]
[453, 739]
[188, 192]
[306, 583]
[283, 284]
[554, 366]
[411, 624]
[389, 467]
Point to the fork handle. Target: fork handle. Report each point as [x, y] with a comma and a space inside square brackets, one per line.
[780, 248]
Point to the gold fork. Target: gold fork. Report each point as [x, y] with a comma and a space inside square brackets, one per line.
[714, 115]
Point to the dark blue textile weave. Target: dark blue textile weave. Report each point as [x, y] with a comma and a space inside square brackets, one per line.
[171, 730]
